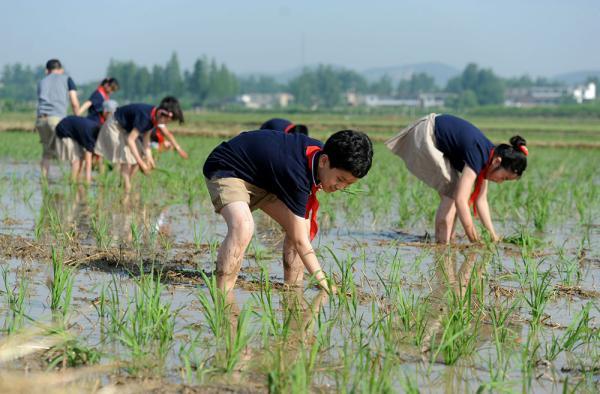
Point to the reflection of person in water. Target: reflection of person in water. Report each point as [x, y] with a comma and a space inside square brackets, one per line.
[301, 314]
[297, 312]
[133, 215]
[451, 285]
[69, 210]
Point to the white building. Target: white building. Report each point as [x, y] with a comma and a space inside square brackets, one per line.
[585, 92]
[265, 100]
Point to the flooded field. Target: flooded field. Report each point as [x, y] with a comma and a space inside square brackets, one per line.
[106, 291]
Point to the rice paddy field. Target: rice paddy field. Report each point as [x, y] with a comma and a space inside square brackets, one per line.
[106, 292]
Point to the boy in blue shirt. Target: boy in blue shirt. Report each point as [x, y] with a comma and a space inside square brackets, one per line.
[280, 174]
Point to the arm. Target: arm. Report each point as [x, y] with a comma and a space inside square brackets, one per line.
[295, 228]
[74, 101]
[483, 209]
[88, 166]
[463, 192]
[171, 138]
[148, 150]
[131, 138]
[83, 108]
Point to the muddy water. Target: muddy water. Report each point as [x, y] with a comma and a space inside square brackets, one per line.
[183, 239]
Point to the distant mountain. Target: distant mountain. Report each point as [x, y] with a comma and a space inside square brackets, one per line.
[576, 77]
[440, 72]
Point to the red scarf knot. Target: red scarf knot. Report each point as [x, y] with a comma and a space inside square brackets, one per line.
[105, 97]
[479, 182]
[288, 128]
[312, 206]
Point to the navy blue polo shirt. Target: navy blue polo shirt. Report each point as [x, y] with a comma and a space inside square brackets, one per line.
[277, 124]
[83, 130]
[462, 143]
[271, 160]
[135, 116]
[96, 108]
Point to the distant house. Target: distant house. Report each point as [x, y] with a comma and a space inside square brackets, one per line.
[535, 95]
[548, 95]
[265, 100]
[423, 100]
[585, 92]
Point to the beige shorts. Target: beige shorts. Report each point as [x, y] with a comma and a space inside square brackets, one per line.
[224, 191]
[416, 146]
[112, 143]
[68, 149]
[46, 128]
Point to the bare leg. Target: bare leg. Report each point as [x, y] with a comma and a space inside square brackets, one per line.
[75, 167]
[125, 174]
[444, 220]
[45, 166]
[293, 268]
[88, 167]
[240, 227]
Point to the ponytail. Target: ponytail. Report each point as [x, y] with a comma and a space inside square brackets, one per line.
[514, 156]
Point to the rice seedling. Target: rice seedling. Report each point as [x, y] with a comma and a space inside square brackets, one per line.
[229, 336]
[577, 332]
[61, 284]
[149, 322]
[15, 300]
[536, 290]
[71, 354]
[100, 229]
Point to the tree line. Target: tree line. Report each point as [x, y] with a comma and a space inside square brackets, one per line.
[210, 84]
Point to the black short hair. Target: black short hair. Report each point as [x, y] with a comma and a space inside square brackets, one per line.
[513, 157]
[112, 82]
[350, 150]
[171, 104]
[53, 64]
[300, 129]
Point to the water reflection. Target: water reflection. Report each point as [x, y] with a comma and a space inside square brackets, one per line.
[456, 311]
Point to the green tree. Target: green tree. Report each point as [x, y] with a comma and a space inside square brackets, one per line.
[416, 84]
[383, 87]
[198, 81]
[172, 77]
[483, 83]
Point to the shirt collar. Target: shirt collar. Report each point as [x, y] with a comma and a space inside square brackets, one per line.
[315, 172]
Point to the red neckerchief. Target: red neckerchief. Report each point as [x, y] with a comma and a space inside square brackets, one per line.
[153, 117]
[312, 205]
[289, 127]
[480, 178]
[105, 97]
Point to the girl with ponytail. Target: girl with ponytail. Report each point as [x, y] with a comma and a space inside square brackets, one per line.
[455, 158]
[118, 140]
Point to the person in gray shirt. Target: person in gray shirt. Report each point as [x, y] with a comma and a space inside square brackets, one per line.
[55, 91]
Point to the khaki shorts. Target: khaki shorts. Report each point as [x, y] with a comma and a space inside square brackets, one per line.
[416, 146]
[224, 191]
[68, 149]
[46, 128]
[112, 143]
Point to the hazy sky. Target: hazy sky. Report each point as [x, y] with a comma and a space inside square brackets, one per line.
[513, 37]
